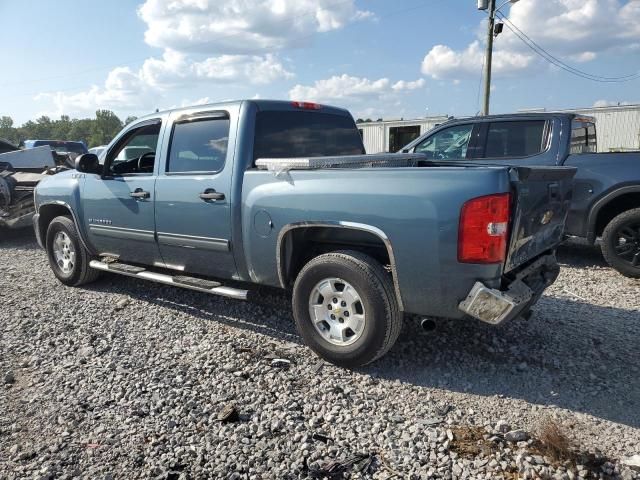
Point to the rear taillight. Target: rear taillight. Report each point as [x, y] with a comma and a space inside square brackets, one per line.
[306, 105]
[484, 229]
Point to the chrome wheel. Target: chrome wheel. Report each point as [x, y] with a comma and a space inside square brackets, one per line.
[337, 312]
[64, 252]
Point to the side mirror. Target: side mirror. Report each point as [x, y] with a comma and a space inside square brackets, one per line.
[87, 163]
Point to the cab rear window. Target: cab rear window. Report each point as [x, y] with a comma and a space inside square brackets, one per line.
[284, 134]
[516, 139]
[583, 137]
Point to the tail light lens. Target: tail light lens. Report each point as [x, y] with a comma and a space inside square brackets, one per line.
[484, 229]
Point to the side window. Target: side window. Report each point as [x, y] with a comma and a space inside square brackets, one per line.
[583, 137]
[515, 139]
[199, 146]
[135, 153]
[448, 144]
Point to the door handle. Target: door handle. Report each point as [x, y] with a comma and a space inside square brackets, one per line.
[211, 194]
[138, 193]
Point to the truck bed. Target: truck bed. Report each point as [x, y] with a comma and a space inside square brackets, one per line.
[413, 204]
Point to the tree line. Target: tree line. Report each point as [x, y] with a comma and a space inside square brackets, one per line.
[93, 131]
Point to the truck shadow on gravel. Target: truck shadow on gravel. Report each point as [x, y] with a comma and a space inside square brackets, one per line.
[570, 354]
[23, 239]
[580, 255]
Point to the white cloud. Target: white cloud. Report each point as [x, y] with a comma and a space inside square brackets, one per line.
[408, 85]
[211, 41]
[357, 93]
[252, 69]
[176, 68]
[241, 26]
[584, 57]
[123, 89]
[339, 87]
[575, 30]
[442, 61]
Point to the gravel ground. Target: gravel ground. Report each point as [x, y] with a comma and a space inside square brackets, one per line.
[125, 379]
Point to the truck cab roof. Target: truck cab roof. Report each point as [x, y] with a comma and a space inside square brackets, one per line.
[261, 105]
[518, 116]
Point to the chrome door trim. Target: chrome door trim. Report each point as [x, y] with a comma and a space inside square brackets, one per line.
[120, 232]
[192, 241]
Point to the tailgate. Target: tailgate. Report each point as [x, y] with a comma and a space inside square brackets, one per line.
[541, 202]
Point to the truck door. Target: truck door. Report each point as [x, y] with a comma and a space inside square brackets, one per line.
[193, 195]
[457, 142]
[117, 206]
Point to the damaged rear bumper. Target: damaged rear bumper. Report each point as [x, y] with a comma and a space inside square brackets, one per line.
[522, 290]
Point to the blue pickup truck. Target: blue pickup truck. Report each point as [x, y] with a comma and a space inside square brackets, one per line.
[61, 146]
[606, 194]
[227, 197]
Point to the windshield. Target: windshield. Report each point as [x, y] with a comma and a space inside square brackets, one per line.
[286, 134]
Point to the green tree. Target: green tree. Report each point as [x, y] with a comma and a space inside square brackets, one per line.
[130, 119]
[104, 128]
[61, 128]
[81, 130]
[7, 130]
[44, 127]
[93, 131]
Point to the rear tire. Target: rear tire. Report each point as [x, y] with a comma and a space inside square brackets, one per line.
[345, 308]
[67, 256]
[621, 243]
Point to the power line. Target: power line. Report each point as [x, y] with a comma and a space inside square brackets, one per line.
[556, 61]
[559, 63]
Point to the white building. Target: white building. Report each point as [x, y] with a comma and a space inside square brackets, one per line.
[618, 128]
[391, 135]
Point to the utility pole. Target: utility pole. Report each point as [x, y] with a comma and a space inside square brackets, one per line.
[488, 57]
[493, 31]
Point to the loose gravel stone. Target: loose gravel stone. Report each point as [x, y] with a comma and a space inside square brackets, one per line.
[9, 378]
[136, 391]
[516, 436]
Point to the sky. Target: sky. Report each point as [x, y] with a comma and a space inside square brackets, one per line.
[378, 58]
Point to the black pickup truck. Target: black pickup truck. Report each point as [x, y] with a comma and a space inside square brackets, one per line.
[606, 193]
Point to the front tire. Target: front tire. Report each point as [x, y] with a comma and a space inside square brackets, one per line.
[345, 308]
[68, 258]
[621, 243]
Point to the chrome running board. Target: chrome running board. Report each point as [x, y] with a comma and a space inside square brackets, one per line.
[192, 283]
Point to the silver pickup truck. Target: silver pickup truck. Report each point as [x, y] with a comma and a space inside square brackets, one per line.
[223, 198]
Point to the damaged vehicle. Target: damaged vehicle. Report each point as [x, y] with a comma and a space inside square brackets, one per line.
[20, 172]
[228, 198]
